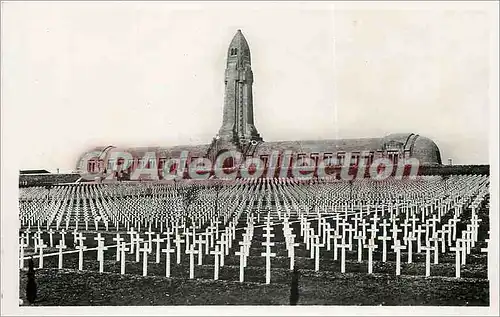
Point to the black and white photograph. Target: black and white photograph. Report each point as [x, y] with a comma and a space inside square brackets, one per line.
[229, 158]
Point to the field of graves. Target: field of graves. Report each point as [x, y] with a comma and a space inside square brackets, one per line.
[363, 242]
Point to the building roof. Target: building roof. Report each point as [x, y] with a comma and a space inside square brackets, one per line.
[241, 45]
[28, 172]
[421, 148]
[321, 146]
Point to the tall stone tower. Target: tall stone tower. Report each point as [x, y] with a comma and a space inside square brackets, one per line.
[237, 122]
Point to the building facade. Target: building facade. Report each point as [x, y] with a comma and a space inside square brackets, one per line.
[238, 133]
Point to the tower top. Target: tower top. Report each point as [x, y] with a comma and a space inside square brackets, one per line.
[238, 51]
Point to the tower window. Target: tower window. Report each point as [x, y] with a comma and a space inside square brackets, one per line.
[234, 51]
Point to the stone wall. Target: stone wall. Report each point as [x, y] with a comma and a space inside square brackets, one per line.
[46, 179]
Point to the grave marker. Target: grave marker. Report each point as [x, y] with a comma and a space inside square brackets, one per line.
[158, 242]
[80, 249]
[216, 254]
[167, 250]
[371, 246]
[122, 249]
[268, 254]
[191, 253]
[457, 249]
[145, 251]
[60, 246]
[397, 247]
[41, 246]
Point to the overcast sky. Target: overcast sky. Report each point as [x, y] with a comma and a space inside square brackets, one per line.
[77, 75]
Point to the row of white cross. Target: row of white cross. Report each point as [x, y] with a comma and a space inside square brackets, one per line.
[107, 205]
[313, 242]
[417, 223]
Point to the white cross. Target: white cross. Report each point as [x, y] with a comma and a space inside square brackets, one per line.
[41, 246]
[118, 242]
[216, 254]
[242, 255]
[311, 238]
[335, 237]
[414, 220]
[60, 246]
[137, 242]
[21, 258]
[371, 246]
[191, 253]
[466, 236]
[75, 232]
[384, 226]
[292, 254]
[132, 234]
[361, 238]
[36, 240]
[427, 227]
[442, 239]
[27, 232]
[328, 235]
[225, 242]
[453, 224]
[206, 241]
[470, 232]
[200, 242]
[458, 248]
[51, 239]
[246, 243]
[188, 241]
[216, 223]
[397, 247]
[158, 242]
[395, 230]
[364, 224]
[221, 244]
[428, 250]
[409, 241]
[80, 249]
[268, 256]
[178, 242]
[350, 232]
[122, 249]
[384, 240]
[405, 233]
[317, 247]
[486, 250]
[475, 226]
[447, 231]
[145, 251]
[211, 235]
[433, 221]
[375, 218]
[100, 254]
[436, 240]
[168, 251]
[373, 230]
[419, 232]
[343, 246]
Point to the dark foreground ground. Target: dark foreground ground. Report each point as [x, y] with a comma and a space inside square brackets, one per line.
[70, 288]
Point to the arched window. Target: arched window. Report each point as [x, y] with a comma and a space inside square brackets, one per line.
[234, 51]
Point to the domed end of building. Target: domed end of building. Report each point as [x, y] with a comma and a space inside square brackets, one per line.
[426, 151]
[413, 146]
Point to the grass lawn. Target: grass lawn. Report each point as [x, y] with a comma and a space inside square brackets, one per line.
[70, 287]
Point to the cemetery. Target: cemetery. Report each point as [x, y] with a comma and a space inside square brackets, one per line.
[404, 241]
